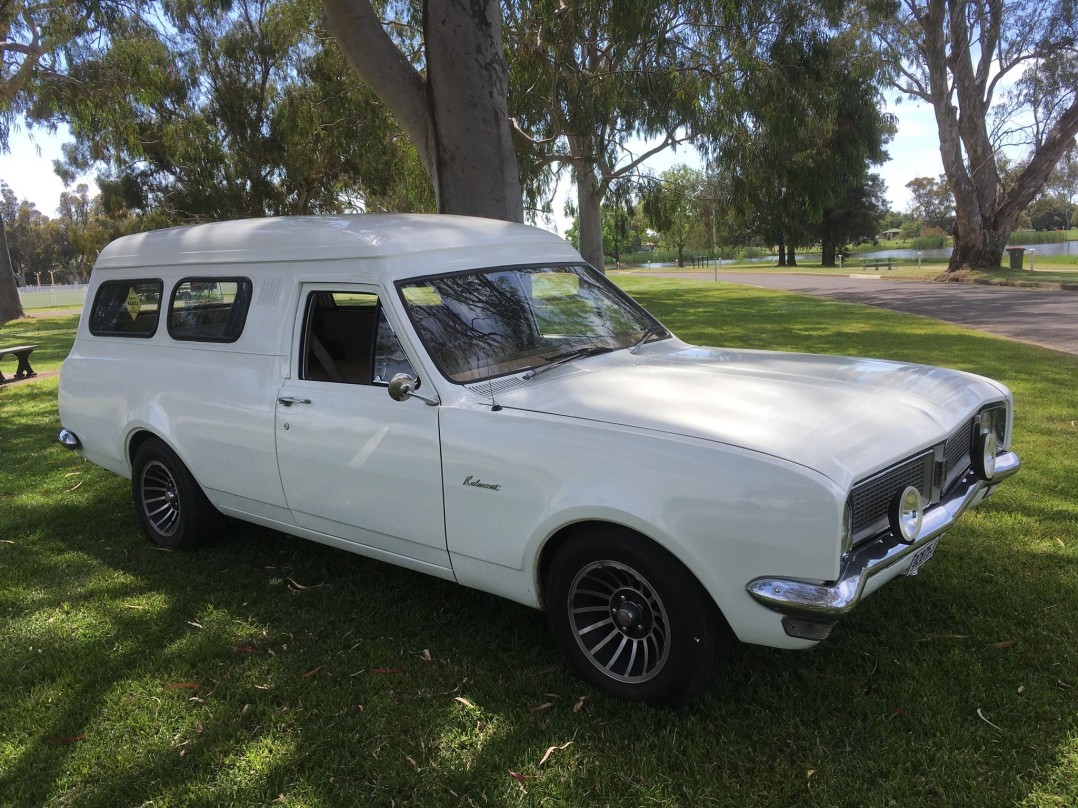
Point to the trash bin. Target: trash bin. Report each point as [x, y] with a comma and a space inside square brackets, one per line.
[1017, 254]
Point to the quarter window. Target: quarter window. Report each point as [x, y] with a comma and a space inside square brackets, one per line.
[126, 309]
[209, 309]
[348, 340]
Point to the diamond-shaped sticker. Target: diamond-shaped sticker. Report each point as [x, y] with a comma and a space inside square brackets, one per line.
[133, 303]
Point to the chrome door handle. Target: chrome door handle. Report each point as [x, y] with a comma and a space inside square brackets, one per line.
[288, 401]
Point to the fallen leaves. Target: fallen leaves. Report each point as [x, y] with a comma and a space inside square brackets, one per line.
[425, 656]
[312, 672]
[554, 749]
[195, 623]
[985, 720]
[243, 649]
[387, 671]
[1003, 644]
[182, 686]
[464, 701]
[580, 704]
[546, 705]
[65, 738]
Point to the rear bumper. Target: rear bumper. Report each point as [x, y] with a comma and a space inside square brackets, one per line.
[810, 609]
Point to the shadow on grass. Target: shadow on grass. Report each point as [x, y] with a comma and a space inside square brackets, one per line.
[266, 668]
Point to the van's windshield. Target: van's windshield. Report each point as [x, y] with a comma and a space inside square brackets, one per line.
[487, 323]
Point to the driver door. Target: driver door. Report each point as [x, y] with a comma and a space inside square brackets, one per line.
[355, 464]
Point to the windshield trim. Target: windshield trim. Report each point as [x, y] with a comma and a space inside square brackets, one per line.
[601, 278]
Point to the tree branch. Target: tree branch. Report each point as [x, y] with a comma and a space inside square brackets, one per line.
[373, 55]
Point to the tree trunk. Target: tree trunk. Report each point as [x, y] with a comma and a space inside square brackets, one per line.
[10, 305]
[791, 260]
[782, 254]
[588, 201]
[828, 248]
[457, 116]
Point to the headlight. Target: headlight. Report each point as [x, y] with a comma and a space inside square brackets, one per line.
[847, 529]
[984, 454]
[905, 515]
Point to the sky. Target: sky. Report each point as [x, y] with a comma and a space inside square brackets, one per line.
[914, 152]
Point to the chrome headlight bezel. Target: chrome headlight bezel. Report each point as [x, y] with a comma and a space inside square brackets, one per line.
[906, 514]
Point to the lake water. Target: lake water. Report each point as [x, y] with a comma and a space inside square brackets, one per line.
[1064, 248]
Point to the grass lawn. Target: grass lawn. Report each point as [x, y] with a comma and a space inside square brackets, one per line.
[268, 670]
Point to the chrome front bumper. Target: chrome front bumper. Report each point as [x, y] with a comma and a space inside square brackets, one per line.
[810, 609]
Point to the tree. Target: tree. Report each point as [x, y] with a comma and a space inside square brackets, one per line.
[956, 55]
[671, 207]
[241, 112]
[932, 203]
[449, 97]
[856, 214]
[1050, 213]
[588, 77]
[808, 129]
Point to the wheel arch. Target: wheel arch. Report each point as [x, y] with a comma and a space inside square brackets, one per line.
[568, 533]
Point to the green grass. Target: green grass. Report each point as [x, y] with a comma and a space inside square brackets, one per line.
[268, 670]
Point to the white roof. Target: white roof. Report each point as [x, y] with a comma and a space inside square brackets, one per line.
[308, 238]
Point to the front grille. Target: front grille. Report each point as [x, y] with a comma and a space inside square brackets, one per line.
[871, 498]
[956, 453]
[932, 472]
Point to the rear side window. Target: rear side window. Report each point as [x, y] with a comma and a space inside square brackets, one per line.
[209, 309]
[126, 309]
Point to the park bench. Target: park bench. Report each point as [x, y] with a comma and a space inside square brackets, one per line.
[875, 263]
[22, 353]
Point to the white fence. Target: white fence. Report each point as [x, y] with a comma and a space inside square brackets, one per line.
[51, 297]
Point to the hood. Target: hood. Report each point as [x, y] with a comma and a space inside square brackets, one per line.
[841, 416]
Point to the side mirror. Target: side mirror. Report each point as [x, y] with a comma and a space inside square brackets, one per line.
[403, 387]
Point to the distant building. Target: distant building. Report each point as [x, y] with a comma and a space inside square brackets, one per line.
[889, 235]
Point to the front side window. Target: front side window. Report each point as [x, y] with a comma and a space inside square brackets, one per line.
[487, 323]
[209, 309]
[348, 340]
[126, 308]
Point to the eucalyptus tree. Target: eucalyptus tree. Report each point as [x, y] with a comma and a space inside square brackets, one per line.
[439, 66]
[960, 56]
[806, 130]
[672, 207]
[600, 87]
[211, 110]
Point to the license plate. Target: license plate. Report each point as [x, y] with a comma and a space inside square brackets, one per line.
[921, 556]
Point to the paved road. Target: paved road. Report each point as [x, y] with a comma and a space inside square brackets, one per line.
[1049, 319]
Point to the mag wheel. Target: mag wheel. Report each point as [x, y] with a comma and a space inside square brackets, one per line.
[172, 508]
[632, 620]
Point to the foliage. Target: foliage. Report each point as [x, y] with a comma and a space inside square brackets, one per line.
[588, 79]
[48, 250]
[1050, 213]
[932, 203]
[267, 669]
[1042, 237]
[854, 216]
[807, 128]
[242, 110]
[929, 240]
[671, 206]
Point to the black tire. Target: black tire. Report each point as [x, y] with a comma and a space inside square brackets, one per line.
[173, 510]
[632, 620]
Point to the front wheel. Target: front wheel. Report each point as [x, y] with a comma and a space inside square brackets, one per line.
[632, 620]
[171, 507]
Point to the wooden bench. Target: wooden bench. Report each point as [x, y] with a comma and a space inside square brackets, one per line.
[22, 353]
[876, 263]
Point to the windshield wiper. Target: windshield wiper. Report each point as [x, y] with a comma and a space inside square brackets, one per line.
[561, 359]
[649, 332]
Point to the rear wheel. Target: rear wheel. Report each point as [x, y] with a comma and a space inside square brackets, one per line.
[632, 620]
[173, 510]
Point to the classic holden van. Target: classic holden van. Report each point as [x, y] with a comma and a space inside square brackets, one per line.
[469, 399]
